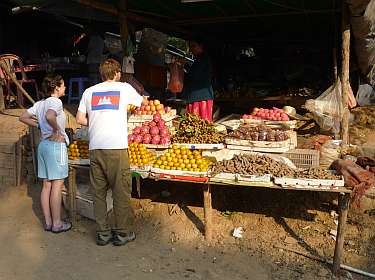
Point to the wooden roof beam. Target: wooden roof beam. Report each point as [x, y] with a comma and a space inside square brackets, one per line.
[154, 23]
[213, 20]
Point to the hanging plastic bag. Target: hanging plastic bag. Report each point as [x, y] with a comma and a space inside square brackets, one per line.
[327, 108]
[176, 81]
[365, 95]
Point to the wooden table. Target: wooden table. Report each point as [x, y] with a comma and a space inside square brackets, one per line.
[342, 192]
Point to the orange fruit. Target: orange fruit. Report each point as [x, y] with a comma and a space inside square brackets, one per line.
[184, 156]
[161, 166]
[163, 158]
[170, 163]
[186, 161]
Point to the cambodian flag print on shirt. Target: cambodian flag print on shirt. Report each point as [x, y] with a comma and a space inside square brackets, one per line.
[107, 100]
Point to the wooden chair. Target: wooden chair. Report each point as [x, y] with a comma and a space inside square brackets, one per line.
[11, 62]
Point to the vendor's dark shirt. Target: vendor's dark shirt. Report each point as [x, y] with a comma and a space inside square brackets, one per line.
[197, 83]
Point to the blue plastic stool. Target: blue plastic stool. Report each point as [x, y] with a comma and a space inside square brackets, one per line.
[81, 81]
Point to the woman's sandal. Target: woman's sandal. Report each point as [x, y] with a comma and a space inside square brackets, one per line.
[65, 226]
[47, 227]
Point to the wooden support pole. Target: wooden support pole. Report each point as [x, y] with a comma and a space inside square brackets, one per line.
[343, 214]
[334, 51]
[2, 100]
[345, 73]
[207, 205]
[124, 30]
[138, 185]
[72, 186]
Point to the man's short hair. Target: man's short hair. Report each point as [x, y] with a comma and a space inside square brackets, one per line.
[109, 68]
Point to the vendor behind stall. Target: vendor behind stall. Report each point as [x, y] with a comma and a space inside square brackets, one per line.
[198, 92]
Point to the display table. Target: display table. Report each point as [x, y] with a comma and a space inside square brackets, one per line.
[342, 192]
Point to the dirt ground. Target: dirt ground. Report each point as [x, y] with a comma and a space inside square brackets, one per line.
[173, 247]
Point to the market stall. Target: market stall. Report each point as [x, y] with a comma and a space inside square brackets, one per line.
[246, 151]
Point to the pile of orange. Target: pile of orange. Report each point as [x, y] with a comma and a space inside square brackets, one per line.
[139, 155]
[78, 149]
[181, 158]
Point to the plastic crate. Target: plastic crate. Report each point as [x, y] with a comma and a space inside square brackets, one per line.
[303, 158]
[85, 204]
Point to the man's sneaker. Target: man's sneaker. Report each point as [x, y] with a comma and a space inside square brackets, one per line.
[121, 239]
[103, 239]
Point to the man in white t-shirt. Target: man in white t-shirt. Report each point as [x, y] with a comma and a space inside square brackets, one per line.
[103, 108]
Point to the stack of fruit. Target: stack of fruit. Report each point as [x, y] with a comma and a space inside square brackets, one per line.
[194, 130]
[274, 114]
[139, 155]
[150, 107]
[154, 132]
[181, 158]
[78, 149]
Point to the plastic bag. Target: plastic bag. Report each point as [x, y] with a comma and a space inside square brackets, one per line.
[176, 81]
[329, 152]
[365, 95]
[327, 108]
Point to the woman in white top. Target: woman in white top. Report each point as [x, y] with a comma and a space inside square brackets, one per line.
[49, 116]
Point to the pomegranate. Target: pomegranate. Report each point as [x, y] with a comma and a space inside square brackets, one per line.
[161, 123]
[163, 132]
[154, 130]
[145, 129]
[155, 139]
[138, 138]
[165, 140]
[137, 130]
[147, 139]
[152, 123]
[157, 117]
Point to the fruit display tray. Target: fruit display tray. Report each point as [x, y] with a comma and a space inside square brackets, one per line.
[178, 172]
[201, 146]
[260, 144]
[290, 124]
[79, 161]
[144, 168]
[142, 118]
[152, 146]
[305, 182]
[242, 178]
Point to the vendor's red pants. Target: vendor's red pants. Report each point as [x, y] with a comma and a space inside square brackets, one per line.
[202, 109]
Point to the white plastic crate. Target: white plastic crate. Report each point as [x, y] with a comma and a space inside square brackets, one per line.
[85, 203]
